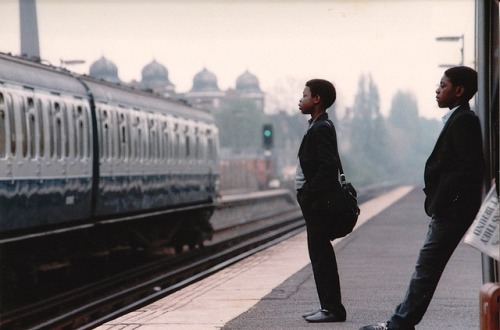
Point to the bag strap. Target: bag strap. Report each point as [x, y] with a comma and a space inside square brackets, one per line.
[342, 180]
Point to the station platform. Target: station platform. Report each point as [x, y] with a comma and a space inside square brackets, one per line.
[272, 288]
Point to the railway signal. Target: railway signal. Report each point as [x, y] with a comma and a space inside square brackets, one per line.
[267, 136]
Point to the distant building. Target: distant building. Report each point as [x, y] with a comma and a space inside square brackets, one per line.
[204, 94]
[247, 86]
[155, 78]
[104, 69]
[243, 165]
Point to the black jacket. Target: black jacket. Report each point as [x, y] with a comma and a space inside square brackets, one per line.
[318, 156]
[454, 171]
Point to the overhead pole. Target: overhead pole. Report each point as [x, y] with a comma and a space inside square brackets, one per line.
[30, 46]
[488, 67]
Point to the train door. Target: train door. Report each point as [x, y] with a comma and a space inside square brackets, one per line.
[107, 136]
[58, 140]
[122, 161]
[106, 125]
[212, 159]
[8, 186]
[7, 138]
[79, 163]
[27, 161]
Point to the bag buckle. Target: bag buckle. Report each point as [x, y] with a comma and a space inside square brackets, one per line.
[342, 179]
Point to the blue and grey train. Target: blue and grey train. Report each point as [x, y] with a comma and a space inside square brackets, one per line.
[88, 166]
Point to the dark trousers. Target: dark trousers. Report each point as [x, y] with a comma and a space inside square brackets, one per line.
[323, 261]
[442, 239]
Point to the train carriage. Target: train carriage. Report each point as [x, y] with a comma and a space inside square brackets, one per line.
[45, 158]
[152, 153]
[82, 155]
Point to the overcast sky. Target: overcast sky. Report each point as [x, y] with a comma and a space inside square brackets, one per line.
[284, 43]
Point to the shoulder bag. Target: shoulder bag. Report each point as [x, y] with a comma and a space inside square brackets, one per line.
[342, 204]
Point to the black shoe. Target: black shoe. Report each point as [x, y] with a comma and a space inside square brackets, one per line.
[311, 313]
[324, 315]
[378, 326]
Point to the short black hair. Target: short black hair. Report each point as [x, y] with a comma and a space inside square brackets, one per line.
[324, 89]
[463, 76]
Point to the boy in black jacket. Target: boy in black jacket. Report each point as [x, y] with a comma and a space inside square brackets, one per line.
[453, 183]
[317, 171]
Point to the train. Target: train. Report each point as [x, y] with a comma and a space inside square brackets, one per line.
[89, 167]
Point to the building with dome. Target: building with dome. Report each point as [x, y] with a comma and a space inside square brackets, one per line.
[238, 112]
[205, 92]
[247, 86]
[104, 69]
[155, 78]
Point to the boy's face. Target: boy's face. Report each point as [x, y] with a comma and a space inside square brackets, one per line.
[447, 95]
[307, 103]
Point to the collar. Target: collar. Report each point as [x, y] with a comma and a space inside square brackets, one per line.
[448, 115]
[324, 115]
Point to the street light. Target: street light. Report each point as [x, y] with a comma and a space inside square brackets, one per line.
[453, 38]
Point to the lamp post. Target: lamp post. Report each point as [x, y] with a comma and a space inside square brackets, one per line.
[453, 38]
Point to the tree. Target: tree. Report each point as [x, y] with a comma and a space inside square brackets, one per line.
[368, 154]
[240, 124]
[404, 113]
[412, 138]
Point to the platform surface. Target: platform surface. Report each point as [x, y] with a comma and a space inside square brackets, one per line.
[271, 289]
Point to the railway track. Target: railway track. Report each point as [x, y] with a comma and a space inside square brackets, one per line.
[100, 301]
[249, 223]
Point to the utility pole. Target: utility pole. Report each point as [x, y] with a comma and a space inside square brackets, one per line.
[30, 46]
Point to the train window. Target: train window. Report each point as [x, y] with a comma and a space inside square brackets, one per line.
[188, 147]
[30, 133]
[138, 151]
[3, 127]
[51, 130]
[80, 135]
[115, 137]
[22, 124]
[144, 144]
[140, 141]
[123, 141]
[154, 140]
[40, 130]
[65, 136]
[86, 132]
[123, 137]
[134, 140]
[31, 136]
[11, 124]
[210, 144]
[212, 152]
[177, 146]
[61, 140]
[3, 138]
[197, 147]
[165, 141]
[157, 144]
[101, 135]
[106, 140]
[73, 131]
[58, 146]
[151, 133]
[78, 126]
[107, 137]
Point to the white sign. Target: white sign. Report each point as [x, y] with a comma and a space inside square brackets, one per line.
[484, 232]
